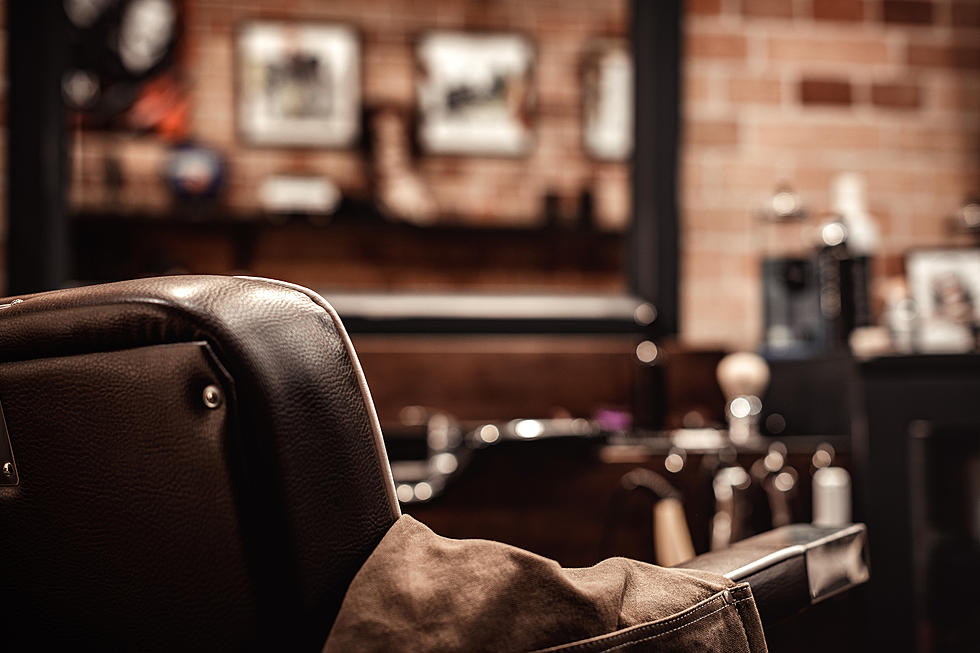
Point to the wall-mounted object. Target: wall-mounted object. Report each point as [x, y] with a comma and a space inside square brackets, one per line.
[967, 217]
[194, 172]
[475, 93]
[114, 48]
[607, 101]
[306, 194]
[298, 84]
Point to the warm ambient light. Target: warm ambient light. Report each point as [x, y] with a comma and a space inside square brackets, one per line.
[740, 407]
[405, 493]
[489, 434]
[423, 491]
[647, 352]
[445, 463]
[674, 462]
[528, 428]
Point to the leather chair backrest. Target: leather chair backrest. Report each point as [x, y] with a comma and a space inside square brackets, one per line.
[196, 464]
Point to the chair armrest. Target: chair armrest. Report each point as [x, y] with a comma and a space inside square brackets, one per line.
[793, 567]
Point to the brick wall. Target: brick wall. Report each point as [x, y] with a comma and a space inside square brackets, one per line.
[787, 90]
[799, 90]
[471, 190]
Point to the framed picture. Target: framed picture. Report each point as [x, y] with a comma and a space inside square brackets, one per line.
[945, 286]
[299, 84]
[607, 101]
[475, 93]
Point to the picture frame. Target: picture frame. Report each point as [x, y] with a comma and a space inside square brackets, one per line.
[298, 84]
[475, 93]
[944, 284]
[607, 100]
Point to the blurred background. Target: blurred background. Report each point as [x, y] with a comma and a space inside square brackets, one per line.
[547, 224]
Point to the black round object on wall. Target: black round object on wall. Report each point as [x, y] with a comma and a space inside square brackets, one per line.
[114, 47]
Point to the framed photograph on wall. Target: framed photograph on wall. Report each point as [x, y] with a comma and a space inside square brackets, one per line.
[299, 84]
[607, 101]
[475, 93]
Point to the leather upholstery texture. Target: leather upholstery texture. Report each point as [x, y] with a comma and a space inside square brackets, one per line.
[145, 518]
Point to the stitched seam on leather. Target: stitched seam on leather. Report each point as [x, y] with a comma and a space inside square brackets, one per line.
[741, 622]
[633, 630]
[672, 630]
[666, 632]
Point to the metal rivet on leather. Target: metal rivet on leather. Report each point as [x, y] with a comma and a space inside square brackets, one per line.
[8, 470]
[212, 396]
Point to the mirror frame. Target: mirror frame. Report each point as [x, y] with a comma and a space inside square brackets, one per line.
[37, 171]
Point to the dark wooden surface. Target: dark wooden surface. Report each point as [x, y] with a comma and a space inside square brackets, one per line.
[908, 405]
[357, 249]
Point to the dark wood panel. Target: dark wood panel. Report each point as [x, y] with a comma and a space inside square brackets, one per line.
[499, 377]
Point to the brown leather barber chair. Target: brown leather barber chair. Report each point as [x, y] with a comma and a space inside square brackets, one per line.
[192, 463]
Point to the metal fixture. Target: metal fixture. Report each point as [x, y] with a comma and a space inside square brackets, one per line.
[212, 396]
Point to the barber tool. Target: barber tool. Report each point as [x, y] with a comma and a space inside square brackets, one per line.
[743, 377]
[733, 507]
[671, 535]
[779, 481]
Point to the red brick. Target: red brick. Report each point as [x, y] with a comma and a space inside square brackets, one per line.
[697, 88]
[755, 90]
[736, 220]
[949, 92]
[836, 50]
[715, 45]
[822, 135]
[842, 10]
[703, 7]
[755, 176]
[907, 12]
[896, 95]
[825, 91]
[926, 138]
[711, 132]
[944, 56]
[767, 8]
[965, 13]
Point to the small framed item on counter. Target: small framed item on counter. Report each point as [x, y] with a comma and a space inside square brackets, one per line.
[475, 93]
[945, 286]
[298, 84]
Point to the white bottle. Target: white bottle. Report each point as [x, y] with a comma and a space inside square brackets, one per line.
[849, 201]
[831, 497]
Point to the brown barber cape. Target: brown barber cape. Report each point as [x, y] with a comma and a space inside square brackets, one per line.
[422, 592]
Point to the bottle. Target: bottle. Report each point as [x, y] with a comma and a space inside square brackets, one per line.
[831, 497]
